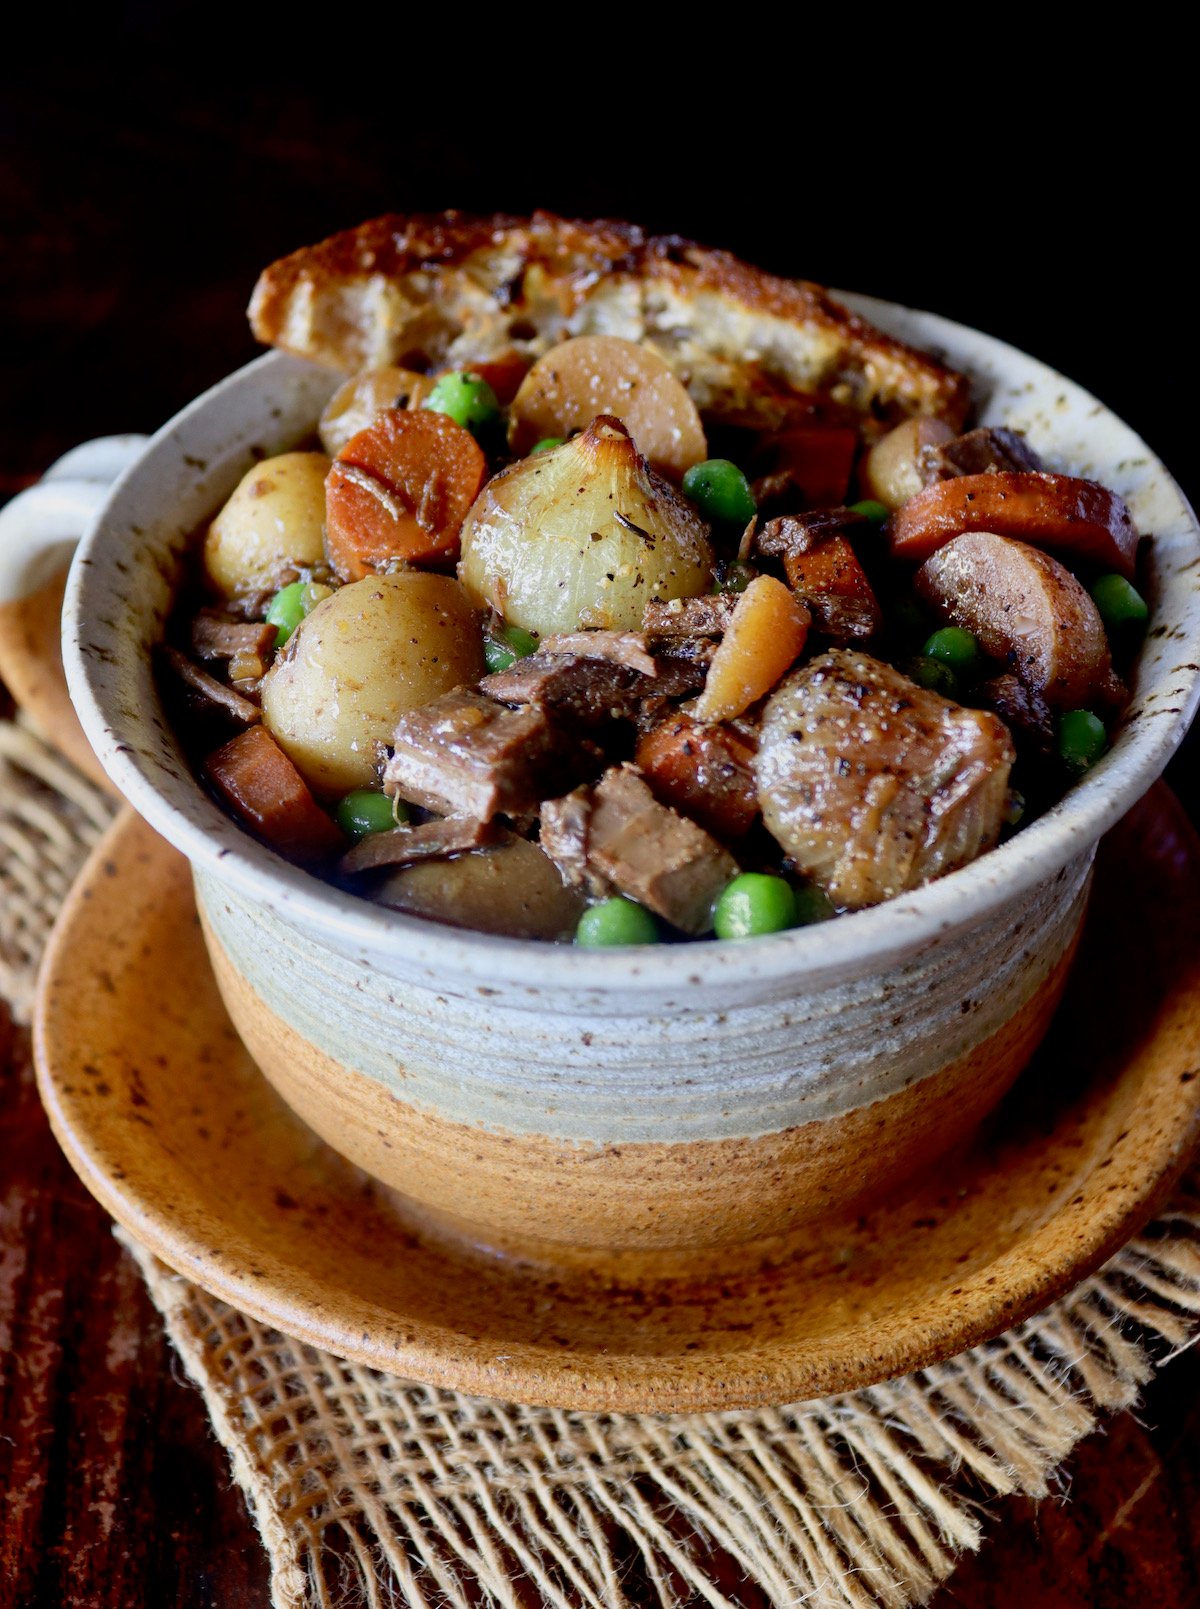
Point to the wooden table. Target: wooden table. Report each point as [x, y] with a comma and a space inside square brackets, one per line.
[142, 214]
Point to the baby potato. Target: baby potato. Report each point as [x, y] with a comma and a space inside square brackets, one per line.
[362, 658]
[274, 521]
[891, 471]
[354, 405]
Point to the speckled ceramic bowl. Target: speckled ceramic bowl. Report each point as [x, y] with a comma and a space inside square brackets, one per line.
[541, 1098]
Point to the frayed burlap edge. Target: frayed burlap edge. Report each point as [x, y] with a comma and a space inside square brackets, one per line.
[368, 1489]
[371, 1490]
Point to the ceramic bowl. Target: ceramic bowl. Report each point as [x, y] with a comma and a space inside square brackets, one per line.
[659, 1101]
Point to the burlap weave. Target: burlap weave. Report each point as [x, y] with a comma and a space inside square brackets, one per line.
[370, 1490]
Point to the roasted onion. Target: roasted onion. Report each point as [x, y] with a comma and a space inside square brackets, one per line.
[583, 535]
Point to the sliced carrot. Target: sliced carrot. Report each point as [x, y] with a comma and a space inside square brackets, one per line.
[763, 640]
[705, 772]
[1046, 511]
[834, 587]
[504, 374]
[399, 490]
[816, 463]
[265, 791]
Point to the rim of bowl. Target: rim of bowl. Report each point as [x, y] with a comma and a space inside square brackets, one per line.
[855, 940]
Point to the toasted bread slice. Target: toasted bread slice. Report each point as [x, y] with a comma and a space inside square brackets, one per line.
[450, 289]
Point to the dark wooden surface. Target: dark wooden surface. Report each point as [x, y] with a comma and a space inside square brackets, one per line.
[135, 216]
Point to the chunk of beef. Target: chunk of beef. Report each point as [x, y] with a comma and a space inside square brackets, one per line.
[430, 840]
[801, 533]
[616, 836]
[873, 785]
[214, 637]
[682, 619]
[626, 648]
[586, 694]
[987, 451]
[466, 755]
[1022, 709]
[824, 572]
[208, 690]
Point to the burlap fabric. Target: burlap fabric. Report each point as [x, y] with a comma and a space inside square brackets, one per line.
[368, 1489]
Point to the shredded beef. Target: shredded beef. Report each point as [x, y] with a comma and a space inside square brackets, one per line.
[209, 690]
[626, 648]
[217, 638]
[684, 618]
[1024, 711]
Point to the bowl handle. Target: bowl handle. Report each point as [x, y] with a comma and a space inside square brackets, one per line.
[40, 526]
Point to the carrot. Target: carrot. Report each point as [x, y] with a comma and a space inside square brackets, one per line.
[816, 463]
[1046, 511]
[399, 490]
[264, 790]
[503, 373]
[834, 587]
[703, 771]
[764, 638]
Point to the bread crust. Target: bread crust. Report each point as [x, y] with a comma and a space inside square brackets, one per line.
[452, 288]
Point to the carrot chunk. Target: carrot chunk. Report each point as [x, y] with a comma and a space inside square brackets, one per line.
[399, 490]
[811, 466]
[702, 771]
[763, 640]
[1046, 511]
[834, 587]
[265, 791]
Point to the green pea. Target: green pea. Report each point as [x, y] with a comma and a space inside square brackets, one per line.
[548, 444]
[906, 618]
[615, 921]
[956, 648]
[467, 399]
[366, 811]
[290, 605]
[733, 577]
[1122, 607]
[721, 492]
[1081, 740]
[813, 904]
[934, 674]
[754, 903]
[871, 510]
[504, 645]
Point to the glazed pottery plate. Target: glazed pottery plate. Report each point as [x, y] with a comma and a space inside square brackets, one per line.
[169, 1123]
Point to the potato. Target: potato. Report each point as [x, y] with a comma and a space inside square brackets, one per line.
[891, 471]
[359, 661]
[274, 521]
[352, 406]
[1026, 609]
[593, 374]
[514, 890]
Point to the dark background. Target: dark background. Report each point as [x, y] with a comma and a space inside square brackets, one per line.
[1042, 203]
[1003, 181]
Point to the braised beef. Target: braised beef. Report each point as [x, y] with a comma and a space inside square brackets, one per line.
[626, 648]
[431, 840]
[1023, 710]
[680, 619]
[800, 533]
[616, 836]
[208, 690]
[989, 450]
[585, 693]
[823, 570]
[467, 755]
[215, 637]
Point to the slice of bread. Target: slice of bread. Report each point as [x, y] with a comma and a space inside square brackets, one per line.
[453, 290]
